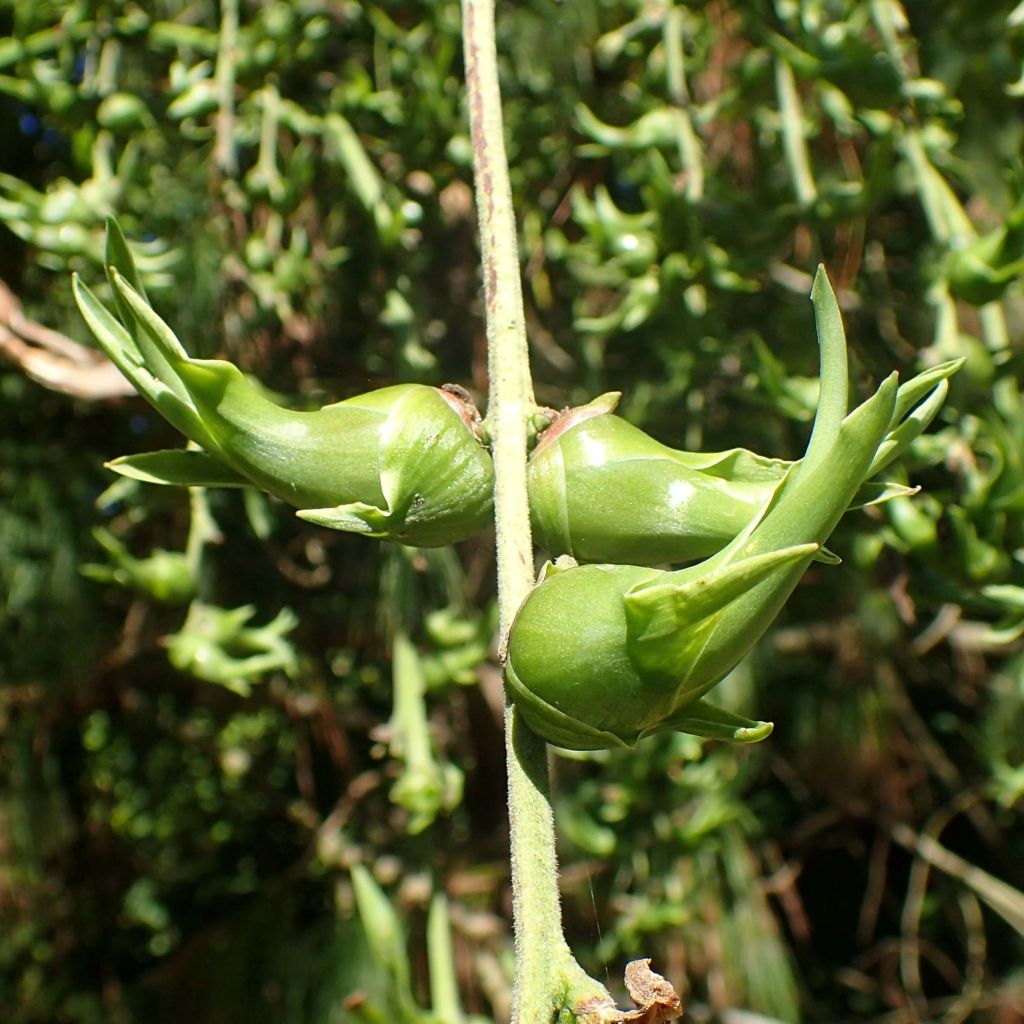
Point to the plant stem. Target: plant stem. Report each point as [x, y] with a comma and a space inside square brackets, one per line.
[224, 75]
[794, 134]
[510, 403]
[547, 977]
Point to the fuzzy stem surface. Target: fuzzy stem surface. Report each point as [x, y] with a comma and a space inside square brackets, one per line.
[548, 980]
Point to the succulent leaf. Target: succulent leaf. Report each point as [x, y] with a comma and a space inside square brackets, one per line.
[356, 517]
[122, 351]
[982, 271]
[834, 388]
[702, 718]
[178, 467]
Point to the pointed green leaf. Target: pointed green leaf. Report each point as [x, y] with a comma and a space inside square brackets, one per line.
[665, 608]
[702, 718]
[179, 467]
[383, 931]
[736, 464]
[918, 387]
[444, 984]
[167, 342]
[879, 492]
[806, 508]
[120, 349]
[810, 502]
[825, 557]
[357, 517]
[899, 439]
[834, 391]
[155, 341]
[118, 256]
[116, 342]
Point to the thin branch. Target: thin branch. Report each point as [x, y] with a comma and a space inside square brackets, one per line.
[53, 360]
[224, 75]
[547, 977]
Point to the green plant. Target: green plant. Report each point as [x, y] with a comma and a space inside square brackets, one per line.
[294, 180]
[596, 656]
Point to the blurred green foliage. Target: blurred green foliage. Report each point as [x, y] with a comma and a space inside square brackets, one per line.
[178, 843]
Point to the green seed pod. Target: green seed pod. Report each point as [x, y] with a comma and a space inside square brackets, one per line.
[403, 462]
[604, 655]
[601, 490]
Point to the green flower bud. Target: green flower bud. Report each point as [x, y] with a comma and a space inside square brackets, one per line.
[166, 576]
[604, 655]
[601, 490]
[982, 271]
[122, 112]
[403, 462]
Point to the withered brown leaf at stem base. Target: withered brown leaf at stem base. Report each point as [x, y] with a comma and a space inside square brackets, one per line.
[657, 1002]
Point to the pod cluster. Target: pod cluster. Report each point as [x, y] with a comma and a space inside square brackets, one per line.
[602, 655]
[404, 462]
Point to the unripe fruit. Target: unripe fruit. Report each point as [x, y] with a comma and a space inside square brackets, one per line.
[403, 462]
[601, 490]
[604, 655]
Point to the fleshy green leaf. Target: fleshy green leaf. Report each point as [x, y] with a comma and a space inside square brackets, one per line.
[915, 389]
[355, 518]
[166, 340]
[834, 391]
[159, 353]
[383, 932]
[178, 467]
[118, 256]
[705, 719]
[121, 350]
[899, 439]
[878, 492]
[684, 598]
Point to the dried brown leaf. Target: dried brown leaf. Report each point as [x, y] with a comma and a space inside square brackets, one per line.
[656, 1000]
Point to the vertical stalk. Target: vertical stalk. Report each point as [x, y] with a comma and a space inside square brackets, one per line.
[444, 984]
[547, 977]
[794, 135]
[675, 80]
[224, 75]
[510, 402]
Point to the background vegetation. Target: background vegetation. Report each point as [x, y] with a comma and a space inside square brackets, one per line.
[200, 749]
